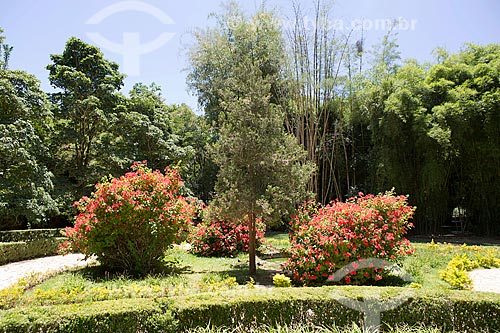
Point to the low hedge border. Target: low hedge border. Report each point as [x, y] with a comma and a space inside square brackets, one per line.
[17, 251]
[461, 311]
[29, 235]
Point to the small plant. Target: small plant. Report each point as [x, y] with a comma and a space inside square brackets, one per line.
[218, 236]
[455, 273]
[281, 281]
[130, 221]
[250, 283]
[489, 260]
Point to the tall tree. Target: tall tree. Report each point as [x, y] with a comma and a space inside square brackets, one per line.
[5, 51]
[465, 93]
[263, 172]
[318, 86]
[194, 134]
[216, 49]
[141, 129]
[25, 182]
[88, 86]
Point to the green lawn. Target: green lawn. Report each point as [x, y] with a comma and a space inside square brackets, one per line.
[189, 274]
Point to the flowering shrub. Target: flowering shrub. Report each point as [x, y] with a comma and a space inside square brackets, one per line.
[304, 214]
[217, 236]
[344, 232]
[129, 222]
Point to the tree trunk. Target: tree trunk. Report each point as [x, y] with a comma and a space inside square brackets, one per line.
[251, 244]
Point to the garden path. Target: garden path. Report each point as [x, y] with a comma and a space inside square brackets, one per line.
[11, 273]
[486, 279]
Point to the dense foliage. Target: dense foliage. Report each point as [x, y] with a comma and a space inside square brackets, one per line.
[263, 172]
[363, 118]
[342, 234]
[130, 221]
[218, 236]
[25, 181]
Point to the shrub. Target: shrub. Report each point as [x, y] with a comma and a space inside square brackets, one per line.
[29, 235]
[218, 236]
[17, 251]
[281, 281]
[129, 222]
[344, 232]
[452, 311]
[455, 273]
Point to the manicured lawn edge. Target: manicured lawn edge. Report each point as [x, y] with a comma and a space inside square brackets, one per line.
[457, 310]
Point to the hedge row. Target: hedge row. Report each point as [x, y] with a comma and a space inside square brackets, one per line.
[17, 251]
[29, 235]
[451, 311]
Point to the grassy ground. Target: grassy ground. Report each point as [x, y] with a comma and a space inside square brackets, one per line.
[189, 274]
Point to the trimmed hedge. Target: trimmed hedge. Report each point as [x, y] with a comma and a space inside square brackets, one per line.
[17, 251]
[124, 316]
[457, 310]
[29, 235]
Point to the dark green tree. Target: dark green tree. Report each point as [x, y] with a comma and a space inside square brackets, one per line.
[141, 130]
[88, 94]
[465, 93]
[25, 181]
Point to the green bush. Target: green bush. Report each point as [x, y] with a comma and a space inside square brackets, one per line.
[17, 251]
[130, 221]
[124, 316]
[452, 311]
[455, 273]
[29, 235]
[281, 281]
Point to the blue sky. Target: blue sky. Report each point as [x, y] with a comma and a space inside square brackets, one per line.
[39, 28]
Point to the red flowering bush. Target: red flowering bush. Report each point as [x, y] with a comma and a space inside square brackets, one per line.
[344, 232]
[304, 214]
[129, 222]
[218, 236]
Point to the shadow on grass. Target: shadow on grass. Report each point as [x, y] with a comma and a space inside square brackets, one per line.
[99, 273]
[240, 271]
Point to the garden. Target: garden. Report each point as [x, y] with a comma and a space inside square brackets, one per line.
[324, 187]
[158, 271]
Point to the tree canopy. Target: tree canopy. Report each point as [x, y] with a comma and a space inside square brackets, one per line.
[283, 107]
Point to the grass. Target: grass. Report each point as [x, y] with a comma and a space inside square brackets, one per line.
[190, 275]
[431, 258]
[278, 240]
